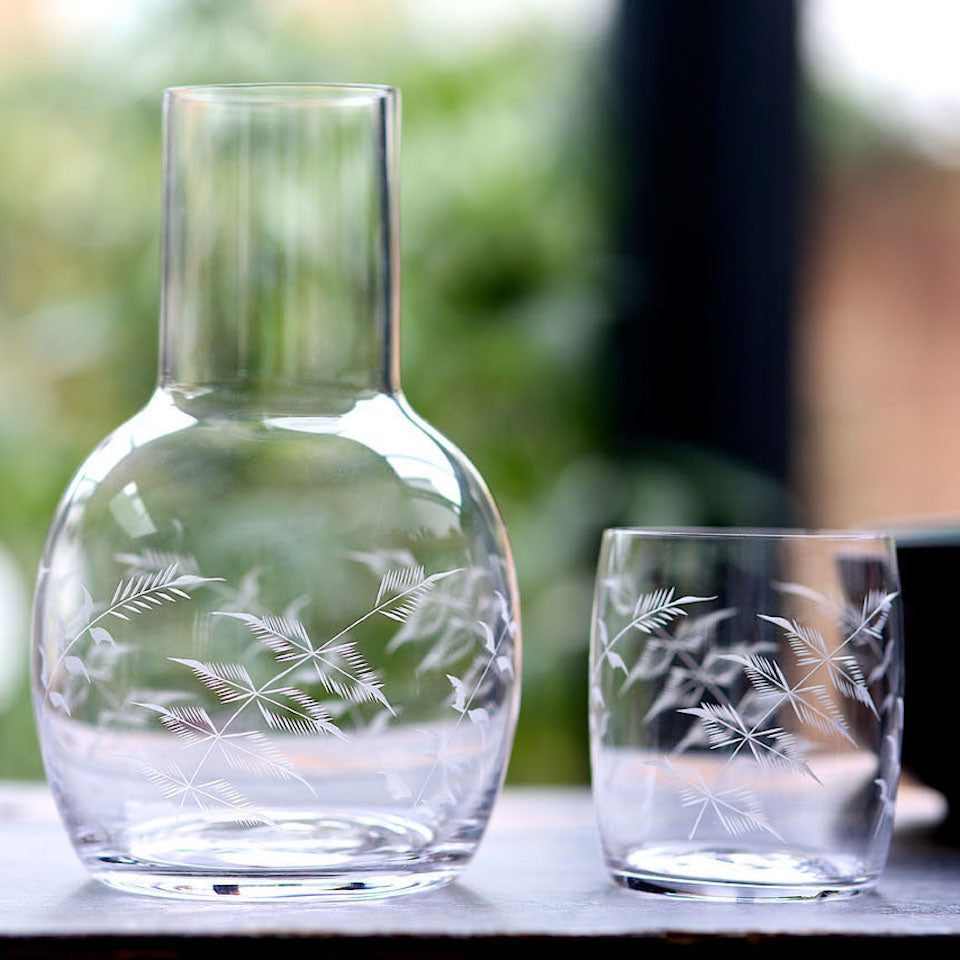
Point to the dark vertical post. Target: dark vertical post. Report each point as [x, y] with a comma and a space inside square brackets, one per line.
[705, 107]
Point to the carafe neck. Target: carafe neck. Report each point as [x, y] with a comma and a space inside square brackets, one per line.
[280, 255]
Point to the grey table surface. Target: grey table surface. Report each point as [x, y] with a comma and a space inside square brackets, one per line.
[538, 874]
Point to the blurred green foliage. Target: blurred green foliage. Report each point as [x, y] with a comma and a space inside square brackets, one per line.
[506, 284]
[501, 222]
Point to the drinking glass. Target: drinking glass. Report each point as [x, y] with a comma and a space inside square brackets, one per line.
[746, 710]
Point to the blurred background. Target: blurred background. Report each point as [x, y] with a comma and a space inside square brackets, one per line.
[664, 262]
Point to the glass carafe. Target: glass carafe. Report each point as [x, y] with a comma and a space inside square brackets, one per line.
[276, 636]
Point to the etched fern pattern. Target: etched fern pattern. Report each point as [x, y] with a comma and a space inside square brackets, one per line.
[257, 706]
[736, 692]
[465, 621]
[136, 595]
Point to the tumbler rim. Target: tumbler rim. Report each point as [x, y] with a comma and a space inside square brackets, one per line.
[745, 533]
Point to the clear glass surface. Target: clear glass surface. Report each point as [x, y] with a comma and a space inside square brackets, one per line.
[276, 637]
[746, 711]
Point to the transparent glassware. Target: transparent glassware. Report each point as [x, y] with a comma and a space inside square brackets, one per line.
[276, 635]
[746, 711]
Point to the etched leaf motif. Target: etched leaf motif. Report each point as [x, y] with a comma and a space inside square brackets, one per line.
[451, 765]
[216, 797]
[59, 701]
[336, 664]
[619, 593]
[682, 686]
[662, 650]
[599, 714]
[616, 661]
[460, 693]
[460, 609]
[658, 608]
[282, 706]
[87, 605]
[884, 665]
[890, 767]
[401, 597]
[248, 751]
[467, 687]
[752, 710]
[810, 701]
[403, 590]
[229, 681]
[339, 667]
[400, 579]
[888, 802]
[479, 716]
[76, 667]
[600, 723]
[150, 590]
[873, 614]
[690, 674]
[450, 647]
[100, 635]
[811, 650]
[687, 685]
[773, 748]
[737, 808]
[863, 622]
[652, 611]
[890, 764]
[132, 597]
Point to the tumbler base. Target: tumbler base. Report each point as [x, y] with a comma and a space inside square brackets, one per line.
[334, 856]
[726, 873]
[342, 887]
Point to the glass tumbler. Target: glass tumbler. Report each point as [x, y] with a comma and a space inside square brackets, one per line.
[746, 710]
